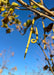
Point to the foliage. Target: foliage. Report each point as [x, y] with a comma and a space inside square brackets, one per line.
[7, 11]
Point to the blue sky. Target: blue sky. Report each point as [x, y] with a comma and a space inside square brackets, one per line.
[18, 45]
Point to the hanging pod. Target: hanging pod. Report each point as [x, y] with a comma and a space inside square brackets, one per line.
[29, 38]
[28, 42]
[35, 40]
[44, 41]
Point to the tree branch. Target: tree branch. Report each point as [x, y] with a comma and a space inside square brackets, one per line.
[34, 10]
[42, 7]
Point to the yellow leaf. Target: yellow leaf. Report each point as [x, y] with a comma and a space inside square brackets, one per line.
[5, 1]
[11, 10]
[15, 4]
[4, 25]
[2, 9]
[10, 18]
[24, 25]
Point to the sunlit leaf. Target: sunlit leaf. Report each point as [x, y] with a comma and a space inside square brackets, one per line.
[4, 25]
[4, 14]
[34, 6]
[15, 4]
[2, 8]
[10, 18]
[11, 10]
[24, 24]
[5, 1]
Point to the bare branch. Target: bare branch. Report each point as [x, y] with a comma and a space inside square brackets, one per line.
[40, 13]
[42, 7]
[22, 2]
[34, 10]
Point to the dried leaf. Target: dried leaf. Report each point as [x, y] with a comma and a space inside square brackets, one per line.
[8, 30]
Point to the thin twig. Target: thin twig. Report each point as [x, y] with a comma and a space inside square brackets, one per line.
[46, 57]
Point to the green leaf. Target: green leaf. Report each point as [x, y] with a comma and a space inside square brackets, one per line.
[34, 6]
